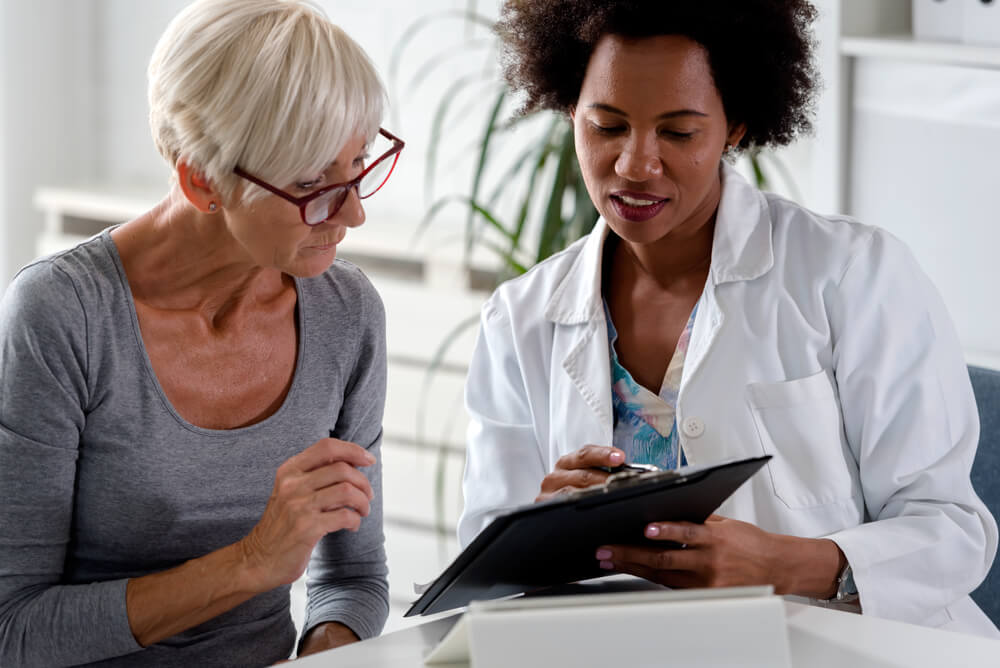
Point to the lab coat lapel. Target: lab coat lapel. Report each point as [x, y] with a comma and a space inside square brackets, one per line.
[577, 311]
[741, 251]
[588, 367]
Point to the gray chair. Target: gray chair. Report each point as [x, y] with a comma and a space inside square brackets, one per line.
[986, 473]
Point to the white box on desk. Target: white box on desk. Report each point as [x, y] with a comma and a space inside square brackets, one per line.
[981, 22]
[709, 628]
[938, 20]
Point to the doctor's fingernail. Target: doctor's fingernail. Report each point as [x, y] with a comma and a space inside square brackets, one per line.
[652, 530]
[603, 554]
[617, 457]
[607, 565]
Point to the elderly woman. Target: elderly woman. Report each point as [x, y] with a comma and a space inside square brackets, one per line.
[191, 402]
[704, 320]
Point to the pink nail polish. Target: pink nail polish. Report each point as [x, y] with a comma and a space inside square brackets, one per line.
[617, 457]
[607, 565]
[603, 554]
[652, 531]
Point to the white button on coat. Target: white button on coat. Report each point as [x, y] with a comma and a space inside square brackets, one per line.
[693, 427]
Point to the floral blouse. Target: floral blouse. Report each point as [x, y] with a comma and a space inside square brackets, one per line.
[645, 424]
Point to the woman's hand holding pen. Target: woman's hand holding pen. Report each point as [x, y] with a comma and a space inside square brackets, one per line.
[316, 492]
[724, 552]
[590, 465]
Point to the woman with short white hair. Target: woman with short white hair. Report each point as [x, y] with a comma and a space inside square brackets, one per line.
[191, 402]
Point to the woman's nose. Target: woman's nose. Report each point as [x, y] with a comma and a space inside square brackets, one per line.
[639, 160]
[352, 212]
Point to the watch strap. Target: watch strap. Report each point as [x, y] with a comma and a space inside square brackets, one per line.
[847, 591]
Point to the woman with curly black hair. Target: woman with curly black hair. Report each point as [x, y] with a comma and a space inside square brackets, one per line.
[703, 320]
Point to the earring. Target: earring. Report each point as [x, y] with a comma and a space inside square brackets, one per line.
[211, 206]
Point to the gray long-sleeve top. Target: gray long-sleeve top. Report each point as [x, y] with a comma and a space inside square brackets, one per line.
[102, 480]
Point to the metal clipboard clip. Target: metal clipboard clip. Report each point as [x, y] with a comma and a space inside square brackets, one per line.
[625, 475]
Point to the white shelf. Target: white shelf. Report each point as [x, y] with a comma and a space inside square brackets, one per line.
[72, 214]
[98, 203]
[905, 47]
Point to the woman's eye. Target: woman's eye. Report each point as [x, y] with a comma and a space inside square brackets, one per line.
[675, 134]
[608, 129]
[307, 185]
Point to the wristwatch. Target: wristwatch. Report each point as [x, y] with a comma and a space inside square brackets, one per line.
[847, 591]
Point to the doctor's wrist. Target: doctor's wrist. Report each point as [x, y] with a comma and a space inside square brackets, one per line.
[809, 567]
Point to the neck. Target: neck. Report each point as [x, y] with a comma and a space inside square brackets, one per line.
[177, 258]
[670, 261]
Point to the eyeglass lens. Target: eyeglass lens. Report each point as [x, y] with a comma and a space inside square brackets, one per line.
[326, 206]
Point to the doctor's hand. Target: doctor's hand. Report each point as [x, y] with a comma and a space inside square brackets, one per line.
[580, 469]
[316, 492]
[724, 552]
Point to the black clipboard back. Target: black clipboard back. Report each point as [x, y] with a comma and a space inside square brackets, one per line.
[552, 543]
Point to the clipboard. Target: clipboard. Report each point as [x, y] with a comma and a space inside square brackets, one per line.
[553, 542]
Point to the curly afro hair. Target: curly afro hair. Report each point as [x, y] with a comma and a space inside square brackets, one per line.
[760, 52]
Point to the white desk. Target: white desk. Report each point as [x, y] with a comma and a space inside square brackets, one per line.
[818, 638]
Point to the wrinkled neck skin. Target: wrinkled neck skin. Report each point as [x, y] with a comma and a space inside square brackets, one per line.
[178, 258]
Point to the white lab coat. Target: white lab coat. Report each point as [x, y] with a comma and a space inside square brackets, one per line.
[819, 341]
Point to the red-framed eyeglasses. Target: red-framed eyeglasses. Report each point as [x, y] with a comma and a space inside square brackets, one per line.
[322, 205]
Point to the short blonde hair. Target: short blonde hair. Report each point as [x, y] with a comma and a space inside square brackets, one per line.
[270, 85]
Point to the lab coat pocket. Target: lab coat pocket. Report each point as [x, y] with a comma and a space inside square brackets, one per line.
[799, 423]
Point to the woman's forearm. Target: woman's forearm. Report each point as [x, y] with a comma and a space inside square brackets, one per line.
[164, 604]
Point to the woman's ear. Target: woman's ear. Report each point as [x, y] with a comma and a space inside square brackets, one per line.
[736, 133]
[197, 189]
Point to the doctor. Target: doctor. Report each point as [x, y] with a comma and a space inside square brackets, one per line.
[704, 320]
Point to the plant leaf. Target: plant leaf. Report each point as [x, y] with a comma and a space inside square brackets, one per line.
[459, 199]
[552, 223]
[546, 149]
[507, 256]
[437, 129]
[437, 60]
[786, 175]
[758, 173]
[468, 16]
[484, 153]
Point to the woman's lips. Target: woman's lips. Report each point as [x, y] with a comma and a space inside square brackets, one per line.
[338, 237]
[637, 207]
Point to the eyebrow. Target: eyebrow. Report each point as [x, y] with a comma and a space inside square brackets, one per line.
[666, 115]
[365, 151]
